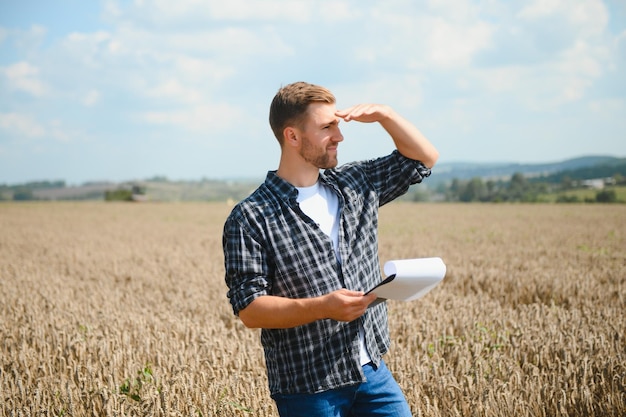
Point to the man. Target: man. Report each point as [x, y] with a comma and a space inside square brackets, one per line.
[301, 251]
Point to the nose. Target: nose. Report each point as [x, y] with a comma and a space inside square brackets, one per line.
[338, 137]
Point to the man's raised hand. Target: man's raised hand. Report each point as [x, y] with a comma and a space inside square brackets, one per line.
[365, 113]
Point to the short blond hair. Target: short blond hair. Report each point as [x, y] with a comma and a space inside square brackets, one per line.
[291, 102]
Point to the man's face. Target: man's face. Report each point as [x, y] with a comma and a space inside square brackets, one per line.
[320, 136]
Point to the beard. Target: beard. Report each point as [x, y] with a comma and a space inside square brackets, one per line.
[317, 156]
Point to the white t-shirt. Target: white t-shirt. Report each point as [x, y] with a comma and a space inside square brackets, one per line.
[321, 204]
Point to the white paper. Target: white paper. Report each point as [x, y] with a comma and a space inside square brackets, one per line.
[413, 278]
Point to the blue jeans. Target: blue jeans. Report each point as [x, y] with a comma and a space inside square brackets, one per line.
[379, 396]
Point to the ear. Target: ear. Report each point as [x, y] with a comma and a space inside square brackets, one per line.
[291, 136]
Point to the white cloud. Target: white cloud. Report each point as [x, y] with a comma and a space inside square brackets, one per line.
[574, 10]
[58, 131]
[88, 49]
[29, 40]
[618, 47]
[540, 8]
[608, 107]
[3, 34]
[204, 118]
[590, 17]
[186, 14]
[91, 98]
[295, 10]
[111, 9]
[583, 59]
[174, 90]
[21, 125]
[235, 41]
[209, 56]
[183, 13]
[403, 92]
[551, 54]
[24, 126]
[200, 70]
[25, 77]
[444, 35]
[452, 46]
[457, 11]
[535, 88]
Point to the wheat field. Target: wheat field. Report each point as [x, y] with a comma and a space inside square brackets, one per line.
[113, 309]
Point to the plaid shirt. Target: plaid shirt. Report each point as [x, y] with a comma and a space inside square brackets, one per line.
[272, 248]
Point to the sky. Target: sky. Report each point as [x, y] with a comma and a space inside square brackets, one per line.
[118, 90]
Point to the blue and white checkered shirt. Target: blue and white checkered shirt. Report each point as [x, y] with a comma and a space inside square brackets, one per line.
[272, 248]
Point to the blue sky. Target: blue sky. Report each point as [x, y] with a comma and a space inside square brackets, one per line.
[122, 90]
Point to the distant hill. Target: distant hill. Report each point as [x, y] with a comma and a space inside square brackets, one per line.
[161, 189]
[446, 172]
[597, 171]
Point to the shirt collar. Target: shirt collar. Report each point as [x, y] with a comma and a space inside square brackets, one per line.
[285, 191]
[328, 179]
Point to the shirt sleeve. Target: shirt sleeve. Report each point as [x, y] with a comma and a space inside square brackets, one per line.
[246, 270]
[392, 175]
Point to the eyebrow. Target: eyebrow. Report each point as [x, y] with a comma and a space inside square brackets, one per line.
[335, 121]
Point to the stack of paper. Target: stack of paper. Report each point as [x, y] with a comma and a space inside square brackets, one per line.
[409, 279]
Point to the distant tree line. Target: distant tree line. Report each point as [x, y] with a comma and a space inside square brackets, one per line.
[478, 190]
[521, 189]
[25, 191]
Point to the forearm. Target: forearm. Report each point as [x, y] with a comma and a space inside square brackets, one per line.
[271, 312]
[408, 139]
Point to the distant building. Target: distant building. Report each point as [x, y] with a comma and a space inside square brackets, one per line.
[139, 193]
[597, 183]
